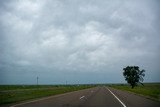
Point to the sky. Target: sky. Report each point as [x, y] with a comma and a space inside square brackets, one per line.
[78, 41]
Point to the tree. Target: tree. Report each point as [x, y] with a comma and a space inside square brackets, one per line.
[133, 75]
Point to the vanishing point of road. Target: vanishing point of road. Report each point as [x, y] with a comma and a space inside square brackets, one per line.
[93, 97]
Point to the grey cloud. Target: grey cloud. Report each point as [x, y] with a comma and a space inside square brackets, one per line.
[56, 37]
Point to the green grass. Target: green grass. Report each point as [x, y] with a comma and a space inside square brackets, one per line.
[150, 90]
[17, 93]
[20, 87]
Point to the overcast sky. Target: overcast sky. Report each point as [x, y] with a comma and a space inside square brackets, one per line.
[78, 41]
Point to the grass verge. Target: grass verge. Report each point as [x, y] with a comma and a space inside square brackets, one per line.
[150, 90]
[17, 93]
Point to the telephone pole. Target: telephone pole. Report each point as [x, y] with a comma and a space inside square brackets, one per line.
[37, 80]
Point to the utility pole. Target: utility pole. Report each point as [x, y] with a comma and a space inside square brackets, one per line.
[37, 80]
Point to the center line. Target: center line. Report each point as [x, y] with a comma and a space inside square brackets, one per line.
[81, 97]
[117, 98]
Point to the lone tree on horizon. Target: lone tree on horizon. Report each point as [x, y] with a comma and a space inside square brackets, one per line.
[133, 75]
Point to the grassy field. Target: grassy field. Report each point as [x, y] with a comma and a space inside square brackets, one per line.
[150, 90]
[17, 93]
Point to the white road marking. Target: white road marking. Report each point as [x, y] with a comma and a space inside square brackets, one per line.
[117, 98]
[82, 97]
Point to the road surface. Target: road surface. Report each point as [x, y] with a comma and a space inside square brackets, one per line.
[93, 97]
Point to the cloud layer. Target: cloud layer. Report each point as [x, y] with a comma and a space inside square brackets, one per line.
[82, 38]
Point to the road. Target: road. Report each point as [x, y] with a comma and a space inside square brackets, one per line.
[93, 97]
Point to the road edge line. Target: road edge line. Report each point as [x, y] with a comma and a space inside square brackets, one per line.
[117, 98]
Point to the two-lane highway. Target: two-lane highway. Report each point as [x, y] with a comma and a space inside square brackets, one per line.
[93, 97]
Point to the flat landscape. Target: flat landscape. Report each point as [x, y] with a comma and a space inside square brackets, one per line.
[79, 53]
[149, 90]
[17, 93]
[120, 95]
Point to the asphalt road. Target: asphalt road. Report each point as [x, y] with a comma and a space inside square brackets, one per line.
[93, 97]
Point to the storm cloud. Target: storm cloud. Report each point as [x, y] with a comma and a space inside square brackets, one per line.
[87, 41]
